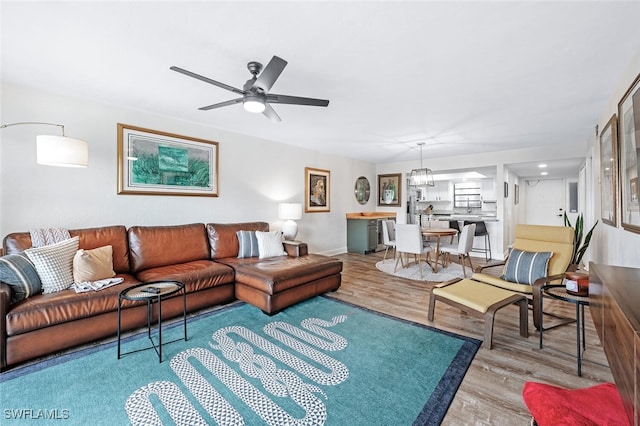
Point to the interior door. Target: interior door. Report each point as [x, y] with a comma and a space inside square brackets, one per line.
[545, 201]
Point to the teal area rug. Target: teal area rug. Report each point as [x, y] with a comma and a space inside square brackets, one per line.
[319, 362]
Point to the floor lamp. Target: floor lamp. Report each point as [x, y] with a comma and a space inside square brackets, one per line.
[59, 151]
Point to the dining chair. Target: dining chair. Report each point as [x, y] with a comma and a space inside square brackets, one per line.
[389, 237]
[462, 249]
[409, 241]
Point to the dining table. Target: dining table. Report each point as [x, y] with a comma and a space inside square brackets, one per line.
[438, 233]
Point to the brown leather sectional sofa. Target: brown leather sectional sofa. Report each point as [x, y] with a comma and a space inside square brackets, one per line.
[203, 257]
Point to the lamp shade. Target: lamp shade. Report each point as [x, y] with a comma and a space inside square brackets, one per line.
[290, 211]
[421, 177]
[61, 151]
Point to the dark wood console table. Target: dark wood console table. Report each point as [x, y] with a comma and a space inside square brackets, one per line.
[614, 293]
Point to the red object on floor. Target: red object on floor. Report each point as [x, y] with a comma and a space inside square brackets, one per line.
[596, 405]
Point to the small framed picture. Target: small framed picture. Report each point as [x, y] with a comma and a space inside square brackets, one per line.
[506, 190]
[317, 186]
[389, 189]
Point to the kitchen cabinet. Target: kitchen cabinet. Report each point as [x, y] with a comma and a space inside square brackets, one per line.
[440, 192]
[488, 190]
[362, 235]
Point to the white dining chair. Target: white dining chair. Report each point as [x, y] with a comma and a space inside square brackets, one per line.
[389, 237]
[409, 241]
[462, 249]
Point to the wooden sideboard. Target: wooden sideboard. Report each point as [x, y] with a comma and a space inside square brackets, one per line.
[614, 300]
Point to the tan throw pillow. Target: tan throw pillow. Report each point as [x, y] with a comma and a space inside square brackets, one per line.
[93, 265]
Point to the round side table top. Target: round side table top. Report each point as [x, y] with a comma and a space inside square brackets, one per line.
[151, 290]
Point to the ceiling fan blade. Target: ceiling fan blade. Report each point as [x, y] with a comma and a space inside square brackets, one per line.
[296, 100]
[271, 114]
[221, 104]
[207, 80]
[270, 73]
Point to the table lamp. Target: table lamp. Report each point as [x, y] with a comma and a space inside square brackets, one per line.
[290, 212]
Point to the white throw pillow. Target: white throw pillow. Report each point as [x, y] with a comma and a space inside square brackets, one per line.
[270, 244]
[93, 265]
[54, 264]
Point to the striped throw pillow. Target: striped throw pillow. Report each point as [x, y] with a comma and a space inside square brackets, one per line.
[248, 244]
[525, 267]
[54, 264]
[18, 272]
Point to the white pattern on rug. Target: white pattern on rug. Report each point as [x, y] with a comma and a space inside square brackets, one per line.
[453, 270]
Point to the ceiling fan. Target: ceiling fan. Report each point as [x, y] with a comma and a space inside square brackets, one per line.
[255, 92]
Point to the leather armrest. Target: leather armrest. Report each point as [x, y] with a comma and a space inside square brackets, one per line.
[295, 248]
[5, 301]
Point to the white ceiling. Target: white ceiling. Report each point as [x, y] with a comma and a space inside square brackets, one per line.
[466, 77]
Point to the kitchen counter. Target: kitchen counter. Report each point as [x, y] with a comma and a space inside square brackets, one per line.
[470, 218]
[371, 215]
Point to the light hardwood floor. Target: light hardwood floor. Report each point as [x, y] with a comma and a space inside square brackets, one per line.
[491, 392]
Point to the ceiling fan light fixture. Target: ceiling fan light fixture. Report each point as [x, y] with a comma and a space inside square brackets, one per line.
[254, 103]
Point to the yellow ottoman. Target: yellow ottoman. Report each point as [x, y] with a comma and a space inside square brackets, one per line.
[481, 300]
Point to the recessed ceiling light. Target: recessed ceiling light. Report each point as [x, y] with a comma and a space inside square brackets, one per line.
[542, 166]
[544, 173]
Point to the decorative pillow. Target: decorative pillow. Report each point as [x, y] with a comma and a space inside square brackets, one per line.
[269, 244]
[596, 405]
[93, 265]
[18, 272]
[525, 267]
[54, 264]
[248, 244]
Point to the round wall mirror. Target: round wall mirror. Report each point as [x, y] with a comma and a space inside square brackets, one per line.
[362, 190]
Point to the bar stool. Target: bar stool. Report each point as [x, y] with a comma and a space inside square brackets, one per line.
[481, 231]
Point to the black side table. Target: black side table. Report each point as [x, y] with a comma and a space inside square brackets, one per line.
[150, 292]
[559, 292]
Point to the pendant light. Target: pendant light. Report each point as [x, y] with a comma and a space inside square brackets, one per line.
[421, 176]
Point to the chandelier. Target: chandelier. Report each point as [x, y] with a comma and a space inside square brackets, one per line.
[421, 176]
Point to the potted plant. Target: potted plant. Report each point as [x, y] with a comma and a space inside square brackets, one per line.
[579, 247]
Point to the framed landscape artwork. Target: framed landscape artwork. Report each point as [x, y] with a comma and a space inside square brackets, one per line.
[157, 163]
[629, 135]
[317, 185]
[609, 171]
[390, 189]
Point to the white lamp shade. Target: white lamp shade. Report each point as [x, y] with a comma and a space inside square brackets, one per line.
[61, 151]
[290, 211]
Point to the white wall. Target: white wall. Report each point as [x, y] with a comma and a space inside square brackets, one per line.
[254, 175]
[612, 245]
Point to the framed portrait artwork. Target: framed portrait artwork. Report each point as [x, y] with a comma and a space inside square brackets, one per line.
[516, 193]
[151, 162]
[317, 186]
[629, 136]
[390, 189]
[609, 172]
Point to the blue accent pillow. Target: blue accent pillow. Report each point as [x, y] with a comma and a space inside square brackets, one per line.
[18, 272]
[248, 244]
[525, 267]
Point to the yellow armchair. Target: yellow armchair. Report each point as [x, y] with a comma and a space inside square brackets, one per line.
[536, 238]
